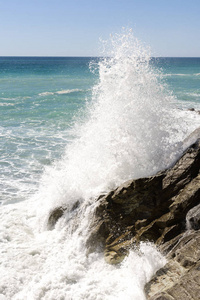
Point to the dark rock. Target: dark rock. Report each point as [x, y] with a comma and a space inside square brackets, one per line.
[159, 208]
[164, 209]
[57, 213]
[193, 218]
[54, 215]
[152, 208]
[192, 109]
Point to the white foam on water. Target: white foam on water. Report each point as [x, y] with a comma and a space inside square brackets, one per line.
[177, 74]
[62, 92]
[69, 91]
[132, 129]
[193, 94]
[54, 265]
[22, 167]
[6, 104]
[46, 93]
[181, 74]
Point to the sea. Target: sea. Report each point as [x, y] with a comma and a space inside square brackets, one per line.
[71, 129]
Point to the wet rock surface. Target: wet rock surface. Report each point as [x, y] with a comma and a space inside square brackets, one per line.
[180, 277]
[164, 209]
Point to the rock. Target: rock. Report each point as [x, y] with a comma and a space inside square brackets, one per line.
[114, 257]
[164, 209]
[193, 218]
[192, 109]
[57, 213]
[54, 215]
[180, 277]
[152, 208]
[192, 138]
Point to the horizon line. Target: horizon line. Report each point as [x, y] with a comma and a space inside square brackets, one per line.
[87, 56]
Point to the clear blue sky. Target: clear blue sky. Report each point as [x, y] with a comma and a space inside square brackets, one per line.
[73, 28]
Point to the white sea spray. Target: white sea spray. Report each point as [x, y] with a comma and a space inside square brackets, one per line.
[131, 129]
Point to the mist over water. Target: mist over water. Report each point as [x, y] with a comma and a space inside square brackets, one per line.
[129, 129]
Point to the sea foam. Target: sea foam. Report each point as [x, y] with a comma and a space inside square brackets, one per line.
[62, 92]
[130, 129]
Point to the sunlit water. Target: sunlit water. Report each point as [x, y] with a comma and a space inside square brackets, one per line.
[128, 125]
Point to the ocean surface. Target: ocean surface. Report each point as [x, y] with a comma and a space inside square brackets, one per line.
[72, 128]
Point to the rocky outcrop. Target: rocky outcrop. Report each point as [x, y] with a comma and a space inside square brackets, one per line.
[164, 209]
[192, 109]
[180, 277]
[152, 208]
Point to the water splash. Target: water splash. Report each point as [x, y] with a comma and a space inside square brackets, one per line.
[130, 129]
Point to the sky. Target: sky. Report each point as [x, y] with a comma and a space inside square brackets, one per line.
[74, 28]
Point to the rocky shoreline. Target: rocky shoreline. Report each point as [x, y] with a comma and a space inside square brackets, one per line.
[163, 209]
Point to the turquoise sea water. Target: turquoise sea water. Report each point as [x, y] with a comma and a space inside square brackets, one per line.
[39, 97]
[72, 129]
[183, 77]
[38, 100]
